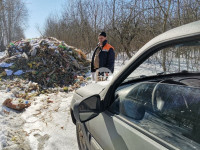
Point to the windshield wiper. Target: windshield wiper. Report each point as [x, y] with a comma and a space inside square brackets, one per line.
[161, 73]
[164, 72]
[132, 78]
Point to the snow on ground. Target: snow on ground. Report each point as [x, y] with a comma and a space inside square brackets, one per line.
[45, 125]
[48, 123]
[12, 135]
[2, 54]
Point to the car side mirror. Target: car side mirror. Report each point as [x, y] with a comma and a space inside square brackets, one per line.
[87, 108]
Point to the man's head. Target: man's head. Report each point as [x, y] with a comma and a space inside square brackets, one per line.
[102, 37]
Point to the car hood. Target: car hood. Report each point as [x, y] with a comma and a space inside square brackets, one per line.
[89, 90]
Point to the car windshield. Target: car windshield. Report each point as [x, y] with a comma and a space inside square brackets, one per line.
[176, 59]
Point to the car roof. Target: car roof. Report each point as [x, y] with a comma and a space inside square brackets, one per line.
[186, 30]
[179, 33]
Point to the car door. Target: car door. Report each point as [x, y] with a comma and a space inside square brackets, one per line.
[132, 122]
[114, 133]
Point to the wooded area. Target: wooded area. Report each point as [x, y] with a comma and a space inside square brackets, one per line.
[13, 17]
[129, 23]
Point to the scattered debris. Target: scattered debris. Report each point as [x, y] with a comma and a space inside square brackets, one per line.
[24, 91]
[46, 61]
[38, 73]
[17, 106]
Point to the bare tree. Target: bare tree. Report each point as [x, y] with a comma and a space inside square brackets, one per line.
[129, 24]
[13, 15]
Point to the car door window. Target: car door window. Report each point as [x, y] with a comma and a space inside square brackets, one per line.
[168, 107]
[182, 57]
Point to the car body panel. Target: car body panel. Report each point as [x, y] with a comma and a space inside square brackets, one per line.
[188, 32]
[91, 90]
[108, 130]
[184, 31]
[86, 91]
[114, 134]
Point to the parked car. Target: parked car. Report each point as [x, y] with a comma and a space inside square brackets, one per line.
[152, 103]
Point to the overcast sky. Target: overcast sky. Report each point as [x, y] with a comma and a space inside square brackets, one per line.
[39, 10]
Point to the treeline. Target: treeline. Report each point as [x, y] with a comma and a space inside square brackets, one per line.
[13, 17]
[128, 23]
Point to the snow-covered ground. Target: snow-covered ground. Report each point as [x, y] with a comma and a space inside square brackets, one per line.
[2, 54]
[12, 135]
[46, 124]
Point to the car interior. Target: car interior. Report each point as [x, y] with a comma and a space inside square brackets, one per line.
[166, 104]
[173, 104]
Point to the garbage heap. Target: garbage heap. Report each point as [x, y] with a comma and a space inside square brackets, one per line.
[46, 61]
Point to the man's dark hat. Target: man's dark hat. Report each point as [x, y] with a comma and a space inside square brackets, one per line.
[102, 34]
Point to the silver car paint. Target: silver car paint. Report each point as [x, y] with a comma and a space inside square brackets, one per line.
[113, 133]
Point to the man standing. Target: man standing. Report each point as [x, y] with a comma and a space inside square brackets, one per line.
[103, 56]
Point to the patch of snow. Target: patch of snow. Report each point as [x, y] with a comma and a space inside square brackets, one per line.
[2, 54]
[11, 131]
[46, 124]
[49, 124]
